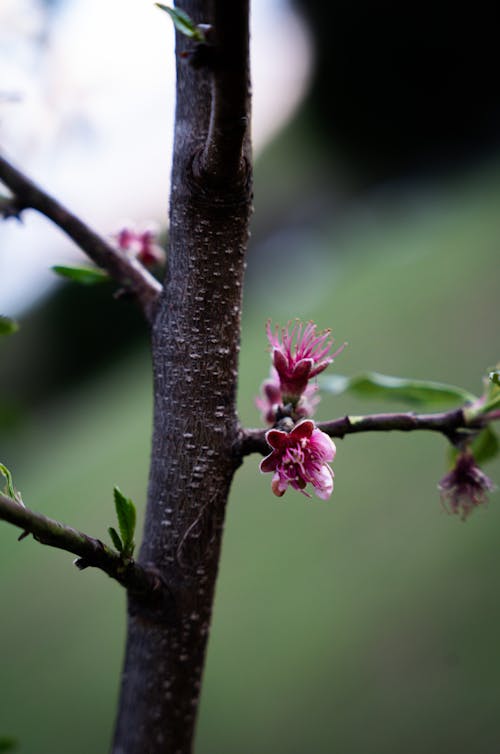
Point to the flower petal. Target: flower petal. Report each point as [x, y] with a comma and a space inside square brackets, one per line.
[303, 430]
[280, 362]
[270, 462]
[302, 369]
[276, 438]
[323, 445]
[323, 483]
[278, 486]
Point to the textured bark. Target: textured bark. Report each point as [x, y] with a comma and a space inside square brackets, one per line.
[195, 344]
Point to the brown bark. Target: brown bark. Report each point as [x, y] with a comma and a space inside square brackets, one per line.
[195, 344]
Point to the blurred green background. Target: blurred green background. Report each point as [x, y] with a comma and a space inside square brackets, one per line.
[368, 623]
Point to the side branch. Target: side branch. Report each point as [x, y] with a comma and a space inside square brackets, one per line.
[91, 552]
[450, 424]
[223, 157]
[125, 270]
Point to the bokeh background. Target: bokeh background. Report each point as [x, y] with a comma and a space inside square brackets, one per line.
[368, 623]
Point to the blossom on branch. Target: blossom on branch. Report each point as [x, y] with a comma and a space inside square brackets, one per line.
[271, 400]
[141, 244]
[465, 486]
[300, 457]
[298, 355]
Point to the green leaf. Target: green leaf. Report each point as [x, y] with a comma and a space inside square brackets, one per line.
[115, 538]
[8, 326]
[126, 515]
[183, 23]
[415, 392]
[82, 275]
[9, 486]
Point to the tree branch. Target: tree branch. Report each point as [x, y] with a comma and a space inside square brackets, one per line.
[125, 270]
[223, 156]
[450, 424]
[91, 552]
[195, 343]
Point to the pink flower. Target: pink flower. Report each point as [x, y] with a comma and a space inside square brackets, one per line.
[149, 253]
[299, 458]
[271, 400]
[465, 487]
[298, 356]
[125, 239]
[141, 244]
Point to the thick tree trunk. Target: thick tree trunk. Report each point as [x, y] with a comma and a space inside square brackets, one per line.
[195, 343]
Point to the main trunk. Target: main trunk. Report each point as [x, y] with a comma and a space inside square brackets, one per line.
[195, 343]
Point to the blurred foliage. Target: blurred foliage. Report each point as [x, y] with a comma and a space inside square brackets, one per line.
[82, 275]
[368, 623]
[8, 326]
[421, 393]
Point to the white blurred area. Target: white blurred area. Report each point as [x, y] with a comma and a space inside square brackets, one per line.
[86, 109]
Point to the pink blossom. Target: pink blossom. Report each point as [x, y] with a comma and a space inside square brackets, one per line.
[149, 253]
[271, 399]
[299, 458]
[125, 238]
[299, 355]
[465, 487]
[140, 244]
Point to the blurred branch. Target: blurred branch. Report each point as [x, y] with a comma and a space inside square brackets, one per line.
[125, 270]
[451, 424]
[91, 552]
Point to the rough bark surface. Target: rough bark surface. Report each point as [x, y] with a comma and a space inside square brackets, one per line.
[195, 344]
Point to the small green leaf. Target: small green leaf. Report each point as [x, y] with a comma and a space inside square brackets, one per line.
[9, 484]
[115, 538]
[183, 23]
[415, 392]
[82, 275]
[8, 326]
[126, 515]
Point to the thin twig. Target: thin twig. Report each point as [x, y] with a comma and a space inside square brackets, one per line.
[125, 270]
[450, 424]
[91, 552]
